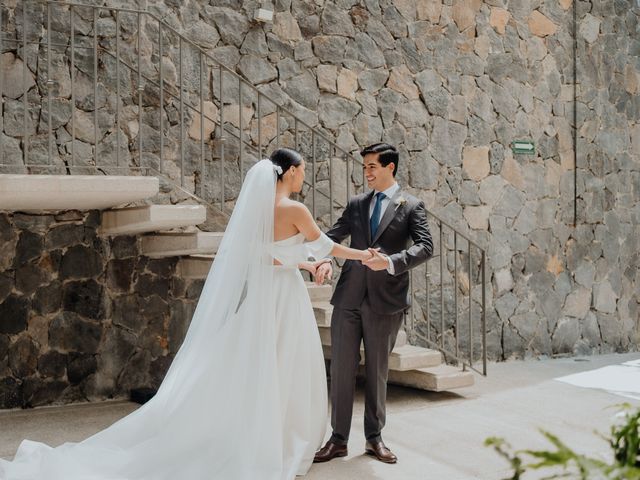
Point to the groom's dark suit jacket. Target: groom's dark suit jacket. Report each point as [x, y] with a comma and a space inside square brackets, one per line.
[403, 234]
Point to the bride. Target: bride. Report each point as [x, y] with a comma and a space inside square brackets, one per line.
[246, 395]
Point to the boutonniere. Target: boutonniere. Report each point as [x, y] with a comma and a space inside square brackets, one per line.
[400, 201]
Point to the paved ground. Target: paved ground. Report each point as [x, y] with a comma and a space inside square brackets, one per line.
[435, 435]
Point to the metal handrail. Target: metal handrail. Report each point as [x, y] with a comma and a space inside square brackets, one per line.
[226, 131]
[246, 82]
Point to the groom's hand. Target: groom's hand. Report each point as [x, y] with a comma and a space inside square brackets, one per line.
[378, 261]
[323, 272]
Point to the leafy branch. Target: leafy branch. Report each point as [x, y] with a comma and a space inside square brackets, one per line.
[567, 464]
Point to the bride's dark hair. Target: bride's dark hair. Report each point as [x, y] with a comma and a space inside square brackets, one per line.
[285, 158]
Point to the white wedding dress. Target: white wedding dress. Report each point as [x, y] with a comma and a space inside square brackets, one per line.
[245, 398]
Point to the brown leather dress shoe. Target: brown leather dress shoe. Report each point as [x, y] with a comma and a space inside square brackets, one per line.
[380, 451]
[329, 452]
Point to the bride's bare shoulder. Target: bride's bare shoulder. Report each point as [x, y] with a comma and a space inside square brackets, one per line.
[292, 207]
[287, 203]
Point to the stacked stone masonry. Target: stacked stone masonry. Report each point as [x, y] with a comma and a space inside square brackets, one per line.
[83, 317]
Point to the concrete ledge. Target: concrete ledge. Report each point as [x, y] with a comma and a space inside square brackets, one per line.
[319, 293]
[407, 357]
[323, 312]
[36, 193]
[151, 218]
[325, 337]
[195, 266]
[179, 244]
[437, 379]
[410, 357]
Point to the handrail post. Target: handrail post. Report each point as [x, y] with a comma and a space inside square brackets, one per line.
[73, 79]
[95, 86]
[331, 152]
[118, 94]
[484, 315]
[181, 116]
[240, 129]
[441, 287]
[160, 58]
[202, 165]
[2, 98]
[412, 299]
[25, 101]
[455, 289]
[259, 126]
[313, 174]
[222, 173]
[346, 161]
[470, 308]
[49, 84]
[140, 88]
[277, 126]
[428, 300]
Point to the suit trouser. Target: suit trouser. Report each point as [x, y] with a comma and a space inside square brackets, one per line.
[379, 333]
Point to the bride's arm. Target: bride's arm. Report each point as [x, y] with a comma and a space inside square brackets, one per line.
[304, 222]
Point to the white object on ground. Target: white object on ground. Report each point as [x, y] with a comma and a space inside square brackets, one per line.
[622, 380]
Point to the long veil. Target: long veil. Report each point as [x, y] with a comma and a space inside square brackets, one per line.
[216, 414]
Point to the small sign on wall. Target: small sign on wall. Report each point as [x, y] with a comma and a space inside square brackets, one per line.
[526, 147]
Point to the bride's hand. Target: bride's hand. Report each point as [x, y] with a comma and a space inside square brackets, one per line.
[366, 255]
[324, 271]
[309, 267]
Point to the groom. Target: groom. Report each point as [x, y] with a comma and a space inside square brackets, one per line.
[371, 297]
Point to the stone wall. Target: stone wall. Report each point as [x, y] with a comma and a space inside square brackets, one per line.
[83, 317]
[452, 83]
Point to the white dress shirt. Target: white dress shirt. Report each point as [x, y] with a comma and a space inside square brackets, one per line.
[384, 203]
[389, 193]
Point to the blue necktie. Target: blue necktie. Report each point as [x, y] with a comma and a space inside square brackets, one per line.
[374, 222]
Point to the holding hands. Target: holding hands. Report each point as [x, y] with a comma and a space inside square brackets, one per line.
[371, 258]
[320, 269]
[323, 271]
[311, 267]
[377, 261]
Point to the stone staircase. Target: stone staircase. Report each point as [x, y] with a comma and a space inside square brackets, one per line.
[151, 218]
[171, 231]
[409, 365]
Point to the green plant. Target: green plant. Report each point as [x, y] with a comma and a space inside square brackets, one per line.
[567, 464]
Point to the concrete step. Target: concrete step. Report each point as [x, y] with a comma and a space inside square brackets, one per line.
[180, 244]
[323, 311]
[151, 218]
[410, 357]
[407, 357]
[319, 293]
[36, 193]
[325, 337]
[401, 339]
[195, 266]
[439, 378]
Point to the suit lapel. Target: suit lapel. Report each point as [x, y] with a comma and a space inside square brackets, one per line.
[389, 213]
[364, 207]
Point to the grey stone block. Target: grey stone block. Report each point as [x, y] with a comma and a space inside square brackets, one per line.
[68, 332]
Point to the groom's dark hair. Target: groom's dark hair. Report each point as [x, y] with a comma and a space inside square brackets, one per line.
[387, 154]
